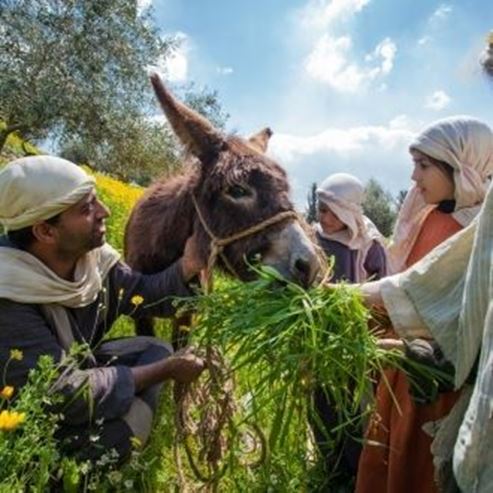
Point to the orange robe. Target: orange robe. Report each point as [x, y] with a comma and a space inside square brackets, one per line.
[397, 457]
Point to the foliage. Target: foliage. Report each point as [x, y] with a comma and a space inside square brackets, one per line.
[283, 342]
[73, 68]
[76, 72]
[28, 452]
[137, 150]
[311, 204]
[206, 102]
[378, 206]
[120, 198]
[401, 196]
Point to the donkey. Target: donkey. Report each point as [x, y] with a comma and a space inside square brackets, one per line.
[233, 188]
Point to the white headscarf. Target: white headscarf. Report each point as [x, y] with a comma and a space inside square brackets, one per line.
[464, 143]
[33, 189]
[36, 188]
[344, 195]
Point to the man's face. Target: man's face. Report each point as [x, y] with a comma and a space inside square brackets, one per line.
[81, 228]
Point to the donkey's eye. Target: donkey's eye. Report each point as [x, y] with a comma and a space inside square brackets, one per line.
[238, 192]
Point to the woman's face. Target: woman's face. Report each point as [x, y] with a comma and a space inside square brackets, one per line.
[433, 182]
[329, 222]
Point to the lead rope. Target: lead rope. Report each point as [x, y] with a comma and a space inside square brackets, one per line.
[214, 397]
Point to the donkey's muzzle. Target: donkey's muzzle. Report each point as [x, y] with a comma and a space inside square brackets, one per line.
[293, 255]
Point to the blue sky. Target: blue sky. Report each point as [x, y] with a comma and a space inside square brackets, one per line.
[344, 84]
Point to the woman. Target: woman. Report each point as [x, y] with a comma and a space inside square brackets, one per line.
[453, 160]
[358, 252]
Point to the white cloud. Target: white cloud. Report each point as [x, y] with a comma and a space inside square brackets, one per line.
[289, 147]
[143, 5]
[385, 50]
[400, 122]
[319, 14]
[441, 12]
[174, 67]
[379, 151]
[329, 63]
[437, 101]
[224, 70]
[424, 40]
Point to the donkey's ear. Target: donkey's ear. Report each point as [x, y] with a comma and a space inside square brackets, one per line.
[194, 131]
[260, 140]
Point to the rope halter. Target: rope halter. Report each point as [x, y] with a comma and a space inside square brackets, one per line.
[219, 244]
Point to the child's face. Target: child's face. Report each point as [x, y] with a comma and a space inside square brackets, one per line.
[329, 222]
[431, 180]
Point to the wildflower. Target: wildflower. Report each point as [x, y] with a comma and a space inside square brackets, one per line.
[120, 293]
[137, 300]
[7, 392]
[16, 354]
[10, 420]
[136, 442]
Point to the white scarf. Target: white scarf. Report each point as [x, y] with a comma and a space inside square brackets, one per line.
[464, 143]
[25, 279]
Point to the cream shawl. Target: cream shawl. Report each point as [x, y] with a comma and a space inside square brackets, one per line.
[451, 292]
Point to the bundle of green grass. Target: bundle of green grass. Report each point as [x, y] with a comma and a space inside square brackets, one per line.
[282, 342]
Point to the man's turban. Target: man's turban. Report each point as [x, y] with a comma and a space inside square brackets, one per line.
[36, 188]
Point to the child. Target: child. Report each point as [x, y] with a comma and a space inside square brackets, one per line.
[346, 233]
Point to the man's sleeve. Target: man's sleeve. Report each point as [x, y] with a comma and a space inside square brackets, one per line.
[147, 294]
[105, 392]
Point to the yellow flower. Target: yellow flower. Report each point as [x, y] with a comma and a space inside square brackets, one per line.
[136, 442]
[10, 420]
[16, 354]
[7, 392]
[137, 300]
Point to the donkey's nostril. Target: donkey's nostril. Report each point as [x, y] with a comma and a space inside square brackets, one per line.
[302, 266]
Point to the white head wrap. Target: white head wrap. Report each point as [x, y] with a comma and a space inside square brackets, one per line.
[344, 195]
[36, 188]
[464, 143]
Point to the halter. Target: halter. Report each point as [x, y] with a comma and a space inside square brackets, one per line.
[218, 244]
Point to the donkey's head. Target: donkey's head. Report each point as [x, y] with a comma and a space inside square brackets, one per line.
[237, 189]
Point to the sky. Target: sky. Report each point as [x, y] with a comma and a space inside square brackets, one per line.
[344, 84]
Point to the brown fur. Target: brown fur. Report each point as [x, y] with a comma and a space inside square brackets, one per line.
[165, 216]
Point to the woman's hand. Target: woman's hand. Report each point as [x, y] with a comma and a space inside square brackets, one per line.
[389, 344]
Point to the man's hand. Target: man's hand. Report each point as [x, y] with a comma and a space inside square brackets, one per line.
[192, 262]
[185, 366]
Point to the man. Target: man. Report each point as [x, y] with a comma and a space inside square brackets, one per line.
[61, 284]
